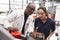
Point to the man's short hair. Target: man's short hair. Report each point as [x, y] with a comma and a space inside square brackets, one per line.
[31, 5]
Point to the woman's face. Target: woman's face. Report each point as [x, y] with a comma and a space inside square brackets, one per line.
[41, 14]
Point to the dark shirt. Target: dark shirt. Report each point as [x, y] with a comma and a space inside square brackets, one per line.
[44, 27]
[25, 19]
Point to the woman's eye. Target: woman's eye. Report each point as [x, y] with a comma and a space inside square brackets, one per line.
[41, 13]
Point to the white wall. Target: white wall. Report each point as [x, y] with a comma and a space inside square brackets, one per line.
[4, 5]
[57, 16]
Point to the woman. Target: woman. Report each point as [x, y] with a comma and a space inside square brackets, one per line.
[43, 24]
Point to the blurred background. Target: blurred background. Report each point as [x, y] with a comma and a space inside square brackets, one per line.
[53, 6]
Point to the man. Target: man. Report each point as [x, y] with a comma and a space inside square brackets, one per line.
[18, 19]
[28, 11]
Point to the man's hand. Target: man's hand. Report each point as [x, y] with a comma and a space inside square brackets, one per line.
[12, 29]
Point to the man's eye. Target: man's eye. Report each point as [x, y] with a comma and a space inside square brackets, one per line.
[41, 13]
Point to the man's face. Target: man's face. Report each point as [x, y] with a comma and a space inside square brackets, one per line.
[29, 10]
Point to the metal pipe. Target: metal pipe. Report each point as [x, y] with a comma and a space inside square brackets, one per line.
[9, 7]
[22, 4]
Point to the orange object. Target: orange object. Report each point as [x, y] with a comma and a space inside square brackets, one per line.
[16, 34]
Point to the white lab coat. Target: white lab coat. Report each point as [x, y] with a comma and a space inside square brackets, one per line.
[16, 18]
[29, 26]
[4, 20]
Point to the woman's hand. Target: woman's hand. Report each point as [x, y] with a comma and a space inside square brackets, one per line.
[33, 34]
[51, 33]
